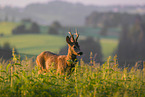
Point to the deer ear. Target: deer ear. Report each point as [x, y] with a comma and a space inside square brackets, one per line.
[68, 40]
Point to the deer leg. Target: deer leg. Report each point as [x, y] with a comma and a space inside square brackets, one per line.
[60, 67]
[40, 64]
[40, 72]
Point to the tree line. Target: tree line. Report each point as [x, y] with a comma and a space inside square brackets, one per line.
[29, 27]
[131, 47]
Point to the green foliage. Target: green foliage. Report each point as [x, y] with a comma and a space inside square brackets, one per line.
[85, 81]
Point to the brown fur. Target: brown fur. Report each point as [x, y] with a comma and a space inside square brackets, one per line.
[62, 63]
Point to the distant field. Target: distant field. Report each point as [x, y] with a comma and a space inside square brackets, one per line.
[34, 44]
[7, 27]
[108, 46]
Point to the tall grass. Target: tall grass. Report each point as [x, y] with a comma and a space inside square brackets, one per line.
[20, 78]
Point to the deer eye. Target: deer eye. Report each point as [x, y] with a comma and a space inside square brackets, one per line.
[74, 46]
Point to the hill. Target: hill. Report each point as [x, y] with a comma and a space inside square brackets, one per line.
[64, 12]
[67, 14]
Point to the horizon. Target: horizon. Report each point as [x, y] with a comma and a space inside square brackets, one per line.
[23, 3]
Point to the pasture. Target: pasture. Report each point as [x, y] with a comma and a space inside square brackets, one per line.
[108, 46]
[7, 27]
[34, 44]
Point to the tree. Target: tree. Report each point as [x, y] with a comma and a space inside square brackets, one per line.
[104, 31]
[56, 25]
[6, 51]
[53, 31]
[6, 18]
[34, 28]
[19, 30]
[131, 45]
[54, 28]
[124, 47]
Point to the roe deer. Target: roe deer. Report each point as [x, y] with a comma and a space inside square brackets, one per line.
[62, 63]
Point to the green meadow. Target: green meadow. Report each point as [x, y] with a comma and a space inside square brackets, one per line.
[34, 44]
[7, 27]
[108, 46]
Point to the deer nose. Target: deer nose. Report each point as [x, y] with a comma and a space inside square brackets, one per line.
[80, 53]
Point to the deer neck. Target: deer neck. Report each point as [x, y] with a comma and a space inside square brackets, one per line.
[70, 55]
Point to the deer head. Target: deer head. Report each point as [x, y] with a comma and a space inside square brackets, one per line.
[73, 44]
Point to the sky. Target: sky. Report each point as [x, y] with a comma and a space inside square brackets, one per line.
[23, 3]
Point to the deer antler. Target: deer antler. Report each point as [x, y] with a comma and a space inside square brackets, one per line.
[72, 37]
[77, 35]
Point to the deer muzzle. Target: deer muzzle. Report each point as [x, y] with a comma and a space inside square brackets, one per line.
[80, 53]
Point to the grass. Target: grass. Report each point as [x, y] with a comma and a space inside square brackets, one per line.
[20, 78]
[7, 27]
[34, 43]
[108, 46]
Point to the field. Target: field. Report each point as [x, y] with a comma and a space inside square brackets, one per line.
[34, 44]
[108, 46]
[6, 27]
[20, 78]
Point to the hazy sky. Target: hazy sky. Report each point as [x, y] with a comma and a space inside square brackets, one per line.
[23, 3]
